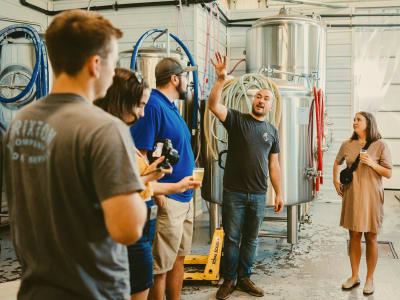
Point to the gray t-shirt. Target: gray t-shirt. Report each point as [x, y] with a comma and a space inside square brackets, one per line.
[250, 142]
[63, 156]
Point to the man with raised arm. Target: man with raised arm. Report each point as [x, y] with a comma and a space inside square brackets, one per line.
[253, 148]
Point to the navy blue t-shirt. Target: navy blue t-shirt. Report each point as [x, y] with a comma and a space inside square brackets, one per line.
[250, 142]
[162, 121]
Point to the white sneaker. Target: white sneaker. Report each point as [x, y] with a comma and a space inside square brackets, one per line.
[349, 283]
[368, 287]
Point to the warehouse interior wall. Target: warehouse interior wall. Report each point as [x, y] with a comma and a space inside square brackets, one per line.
[340, 87]
[341, 97]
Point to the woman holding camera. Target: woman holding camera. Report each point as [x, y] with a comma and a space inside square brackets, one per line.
[126, 99]
[362, 205]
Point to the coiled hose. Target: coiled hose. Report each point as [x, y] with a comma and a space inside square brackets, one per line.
[40, 74]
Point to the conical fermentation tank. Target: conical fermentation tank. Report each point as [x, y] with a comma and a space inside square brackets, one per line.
[291, 49]
[146, 62]
[283, 45]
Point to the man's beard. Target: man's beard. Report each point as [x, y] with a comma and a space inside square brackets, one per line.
[181, 91]
[257, 114]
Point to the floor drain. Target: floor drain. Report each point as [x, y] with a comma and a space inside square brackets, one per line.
[385, 249]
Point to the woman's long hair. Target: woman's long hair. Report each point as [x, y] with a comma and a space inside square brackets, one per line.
[372, 132]
[124, 94]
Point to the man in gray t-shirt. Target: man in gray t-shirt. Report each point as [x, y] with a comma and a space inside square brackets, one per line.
[253, 148]
[71, 177]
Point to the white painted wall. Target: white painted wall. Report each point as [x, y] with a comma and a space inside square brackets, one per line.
[13, 9]
[135, 21]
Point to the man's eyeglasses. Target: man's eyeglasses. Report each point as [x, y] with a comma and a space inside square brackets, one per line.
[138, 77]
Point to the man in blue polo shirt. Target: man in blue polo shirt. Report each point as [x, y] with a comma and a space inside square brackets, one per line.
[174, 227]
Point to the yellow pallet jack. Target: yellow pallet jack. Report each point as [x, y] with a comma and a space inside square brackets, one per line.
[211, 261]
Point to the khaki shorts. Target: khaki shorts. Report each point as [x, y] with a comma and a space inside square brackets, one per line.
[174, 230]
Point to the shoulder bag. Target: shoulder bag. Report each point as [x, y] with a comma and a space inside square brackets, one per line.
[346, 175]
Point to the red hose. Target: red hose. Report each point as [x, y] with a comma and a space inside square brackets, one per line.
[319, 117]
[320, 134]
[311, 140]
[317, 110]
[322, 137]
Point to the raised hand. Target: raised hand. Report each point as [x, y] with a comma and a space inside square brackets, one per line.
[220, 66]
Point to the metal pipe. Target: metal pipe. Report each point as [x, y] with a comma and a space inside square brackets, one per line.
[243, 20]
[239, 25]
[315, 3]
[21, 22]
[214, 219]
[362, 25]
[275, 219]
[114, 6]
[224, 21]
[158, 36]
[292, 225]
[263, 233]
[359, 15]
[231, 22]
[332, 25]
[168, 43]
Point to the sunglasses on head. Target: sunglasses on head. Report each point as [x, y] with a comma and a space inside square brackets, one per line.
[138, 77]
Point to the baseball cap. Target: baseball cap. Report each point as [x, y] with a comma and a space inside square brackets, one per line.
[170, 66]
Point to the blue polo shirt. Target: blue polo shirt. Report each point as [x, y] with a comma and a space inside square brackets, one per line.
[162, 121]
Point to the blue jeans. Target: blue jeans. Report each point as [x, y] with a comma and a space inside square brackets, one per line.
[242, 216]
[141, 259]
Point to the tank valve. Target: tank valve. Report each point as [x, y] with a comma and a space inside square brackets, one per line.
[311, 173]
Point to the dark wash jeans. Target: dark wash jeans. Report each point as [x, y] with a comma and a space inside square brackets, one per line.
[242, 216]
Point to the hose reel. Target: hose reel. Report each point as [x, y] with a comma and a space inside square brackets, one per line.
[38, 79]
[13, 80]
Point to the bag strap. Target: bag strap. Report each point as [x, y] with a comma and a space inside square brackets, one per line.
[367, 145]
[357, 161]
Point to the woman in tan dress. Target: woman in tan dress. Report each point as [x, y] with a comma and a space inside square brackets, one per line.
[362, 205]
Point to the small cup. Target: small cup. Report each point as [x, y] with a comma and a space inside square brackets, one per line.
[198, 174]
[363, 153]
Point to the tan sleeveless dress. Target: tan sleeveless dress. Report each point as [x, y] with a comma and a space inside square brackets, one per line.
[362, 205]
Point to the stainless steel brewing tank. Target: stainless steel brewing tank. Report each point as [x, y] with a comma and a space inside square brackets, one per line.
[288, 43]
[146, 62]
[147, 59]
[293, 139]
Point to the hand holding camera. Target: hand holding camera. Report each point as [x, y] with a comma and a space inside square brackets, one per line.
[155, 172]
[164, 148]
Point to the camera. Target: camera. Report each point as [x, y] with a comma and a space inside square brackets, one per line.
[164, 148]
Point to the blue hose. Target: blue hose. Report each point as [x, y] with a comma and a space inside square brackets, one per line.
[191, 60]
[40, 74]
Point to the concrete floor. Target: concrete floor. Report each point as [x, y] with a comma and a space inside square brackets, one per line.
[314, 270]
